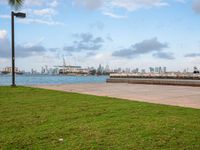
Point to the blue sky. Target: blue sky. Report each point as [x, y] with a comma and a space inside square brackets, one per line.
[120, 33]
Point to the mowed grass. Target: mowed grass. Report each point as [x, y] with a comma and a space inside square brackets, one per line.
[36, 119]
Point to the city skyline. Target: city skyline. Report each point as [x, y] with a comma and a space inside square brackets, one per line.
[89, 33]
[102, 69]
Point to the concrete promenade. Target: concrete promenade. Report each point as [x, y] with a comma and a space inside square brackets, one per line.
[184, 96]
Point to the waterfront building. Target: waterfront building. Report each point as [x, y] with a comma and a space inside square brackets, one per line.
[156, 69]
[33, 72]
[107, 68]
[100, 70]
[136, 70]
[151, 69]
[164, 69]
[128, 70]
[42, 70]
[143, 71]
[8, 70]
[73, 70]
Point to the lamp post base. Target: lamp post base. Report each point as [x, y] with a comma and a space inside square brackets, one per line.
[13, 85]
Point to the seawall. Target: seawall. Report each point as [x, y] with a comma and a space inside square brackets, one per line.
[180, 82]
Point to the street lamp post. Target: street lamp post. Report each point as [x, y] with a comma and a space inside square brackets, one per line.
[13, 15]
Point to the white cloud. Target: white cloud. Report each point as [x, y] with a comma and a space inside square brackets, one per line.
[34, 2]
[112, 15]
[39, 41]
[45, 11]
[144, 47]
[28, 20]
[5, 16]
[89, 4]
[44, 3]
[38, 12]
[40, 21]
[108, 7]
[181, 1]
[132, 5]
[3, 34]
[53, 3]
[22, 50]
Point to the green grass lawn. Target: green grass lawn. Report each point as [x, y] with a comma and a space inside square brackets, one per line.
[36, 119]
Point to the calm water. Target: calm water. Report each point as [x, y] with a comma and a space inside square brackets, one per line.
[47, 79]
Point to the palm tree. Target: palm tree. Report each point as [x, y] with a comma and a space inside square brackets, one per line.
[15, 3]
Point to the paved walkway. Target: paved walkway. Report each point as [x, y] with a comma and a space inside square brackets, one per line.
[184, 96]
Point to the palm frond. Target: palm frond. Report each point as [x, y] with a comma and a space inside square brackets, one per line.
[16, 3]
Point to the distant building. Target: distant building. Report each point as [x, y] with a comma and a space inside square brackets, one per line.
[128, 70]
[69, 70]
[151, 69]
[156, 69]
[34, 72]
[164, 69]
[42, 70]
[100, 70]
[136, 70]
[73, 70]
[107, 68]
[46, 70]
[8, 70]
[160, 70]
[143, 71]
